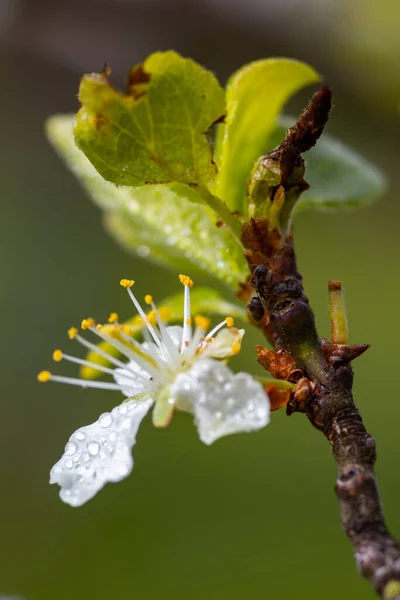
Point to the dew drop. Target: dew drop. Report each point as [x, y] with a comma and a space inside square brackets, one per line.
[80, 435]
[70, 448]
[126, 423]
[123, 409]
[112, 436]
[93, 448]
[68, 463]
[105, 420]
[85, 456]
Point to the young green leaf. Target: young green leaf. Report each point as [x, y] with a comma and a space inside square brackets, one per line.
[155, 131]
[165, 222]
[255, 96]
[338, 176]
[202, 300]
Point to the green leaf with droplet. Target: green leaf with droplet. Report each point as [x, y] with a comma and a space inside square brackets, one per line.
[160, 221]
[338, 176]
[255, 96]
[202, 300]
[155, 131]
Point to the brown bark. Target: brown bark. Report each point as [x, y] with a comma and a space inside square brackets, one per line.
[321, 368]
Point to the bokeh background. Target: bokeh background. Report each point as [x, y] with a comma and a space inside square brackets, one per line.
[254, 515]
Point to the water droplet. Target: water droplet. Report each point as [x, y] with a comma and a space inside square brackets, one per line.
[68, 463]
[70, 448]
[76, 458]
[112, 437]
[80, 435]
[105, 420]
[85, 456]
[126, 423]
[123, 409]
[218, 415]
[93, 448]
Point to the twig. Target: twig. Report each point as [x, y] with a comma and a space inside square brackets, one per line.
[289, 324]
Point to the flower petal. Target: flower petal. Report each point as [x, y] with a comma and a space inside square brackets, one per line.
[126, 379]
[222, 402]
[99, 453]
[226, 343]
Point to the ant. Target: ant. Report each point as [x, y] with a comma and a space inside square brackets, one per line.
[275, 293]
[262, 277]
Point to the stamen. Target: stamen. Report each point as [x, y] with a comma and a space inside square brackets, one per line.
[187, 329]
[104, 385]
[148, 299]
[229, 321]
[170, 348]
[126, 283]
[88, 363]
[72, 332]
[113, 317]
[143, 315]
[44, 376]
[217, 328]
[57, 355]
[142, 359]
[88, 323]
[108, 357]
[185, 280]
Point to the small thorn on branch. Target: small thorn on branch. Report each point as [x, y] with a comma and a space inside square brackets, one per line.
[337, 313]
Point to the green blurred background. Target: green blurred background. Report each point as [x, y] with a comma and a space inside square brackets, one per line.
[254, 515]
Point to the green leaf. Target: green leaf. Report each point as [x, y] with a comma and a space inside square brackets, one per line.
[202, 300]
[161, 222]
[255, 96]
[154, 132]
[338, 176]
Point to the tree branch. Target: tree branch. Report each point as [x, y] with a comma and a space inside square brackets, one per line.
[301, 356]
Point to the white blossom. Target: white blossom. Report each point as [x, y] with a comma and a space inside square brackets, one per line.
[175, 368]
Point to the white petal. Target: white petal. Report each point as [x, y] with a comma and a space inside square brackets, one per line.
[99, 453]
[126, 379]
[222, 402]
[221, 345]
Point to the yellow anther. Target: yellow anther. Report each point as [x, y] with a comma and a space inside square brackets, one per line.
[72, 332]
[229, 321]
[87, 323]
[126, 283]
[113, 317]
[99, 326]
[44, 376]
[148, 299]
[202, 322]
[57, 355]
[188, 321]
[185, 280]
[235, 348]
[126, 329]
[151, 317]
